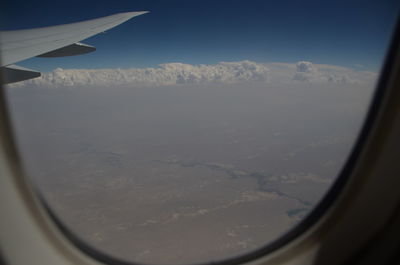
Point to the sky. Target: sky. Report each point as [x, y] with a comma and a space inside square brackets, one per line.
[353, 34]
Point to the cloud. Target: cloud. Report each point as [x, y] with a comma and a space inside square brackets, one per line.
[344, 79]
[184, 74]
[305, 71]
[305, 67]
[165, 74]
[309, 72]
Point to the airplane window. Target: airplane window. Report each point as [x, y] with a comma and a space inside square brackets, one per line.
[200, 131]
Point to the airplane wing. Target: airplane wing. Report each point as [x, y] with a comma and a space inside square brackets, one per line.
[54, 41]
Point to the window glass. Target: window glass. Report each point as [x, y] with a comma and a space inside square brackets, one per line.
[201, 131]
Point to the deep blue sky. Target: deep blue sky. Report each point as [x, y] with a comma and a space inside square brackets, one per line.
[348, 33]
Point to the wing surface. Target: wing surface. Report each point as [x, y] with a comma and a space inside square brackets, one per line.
[19, 45]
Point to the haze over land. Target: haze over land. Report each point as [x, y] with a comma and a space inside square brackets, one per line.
[217, 160]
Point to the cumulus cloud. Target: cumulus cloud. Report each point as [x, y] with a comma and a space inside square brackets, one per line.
[305, 67]
[165, 74]
[309, 72]
[305, 71]
[183, 74]
[344, 79]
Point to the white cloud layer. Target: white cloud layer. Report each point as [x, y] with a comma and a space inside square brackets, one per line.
[224, 72]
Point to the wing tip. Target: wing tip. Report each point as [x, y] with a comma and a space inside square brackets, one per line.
[135, 13]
